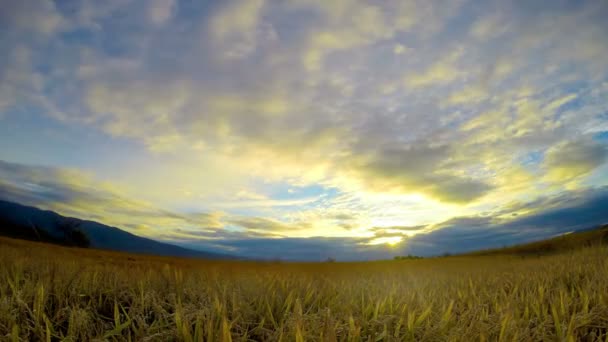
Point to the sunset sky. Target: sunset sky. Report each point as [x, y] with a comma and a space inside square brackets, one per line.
[307, 129]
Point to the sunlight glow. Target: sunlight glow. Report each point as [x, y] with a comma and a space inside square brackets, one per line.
[390, 240]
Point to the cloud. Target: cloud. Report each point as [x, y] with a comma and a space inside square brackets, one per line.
[350, 25]
[393, 234]
[161, 11]
[262, 203]
[488, 27]
[404, 112]
[74, 193]
[572, 159]
[40, 17]
[402, 229]
[235, 27]
[265, 224]
[441, 72]
[400, 49]
[418, 169]
[300, 249]
[135, 109]
[555, 104]
[18, 80]
[270, 106]
[566, 212]
[468, 96]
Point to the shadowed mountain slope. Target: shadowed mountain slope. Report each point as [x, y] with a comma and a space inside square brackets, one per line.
[31, 223]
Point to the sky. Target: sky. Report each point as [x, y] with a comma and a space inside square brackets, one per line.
[308, 129]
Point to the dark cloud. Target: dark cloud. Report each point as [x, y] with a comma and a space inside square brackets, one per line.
[261, 238]
[418, 168]
[39, 185]
[567, 212]
[399, 228]
[74, 194]
[394, 231]
[264, 224]
[342, 217]
[385, 233]
[575, 158]
[214, 234]
[298, 249]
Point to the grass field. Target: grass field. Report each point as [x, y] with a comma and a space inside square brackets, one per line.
[50, 293]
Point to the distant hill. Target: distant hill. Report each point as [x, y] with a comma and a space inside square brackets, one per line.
[30, 223]
[565, 242]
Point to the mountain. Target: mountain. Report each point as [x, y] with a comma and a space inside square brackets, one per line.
[594, 236]
[20, 221]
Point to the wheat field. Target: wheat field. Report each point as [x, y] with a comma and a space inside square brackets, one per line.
[51, 293]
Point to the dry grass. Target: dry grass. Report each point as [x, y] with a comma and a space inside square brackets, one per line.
[52, 293]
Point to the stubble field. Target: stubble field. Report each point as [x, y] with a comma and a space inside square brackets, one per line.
[52, 293]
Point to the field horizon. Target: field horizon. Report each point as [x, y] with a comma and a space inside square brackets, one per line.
[51, 292]
[33, 224]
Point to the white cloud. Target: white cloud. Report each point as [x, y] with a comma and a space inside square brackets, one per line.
[488, 27]
[235, 27]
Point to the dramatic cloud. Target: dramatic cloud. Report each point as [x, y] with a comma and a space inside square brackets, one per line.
[301, 118]
[420, 168]
[572, 159]
[576, 210]
[76, 194]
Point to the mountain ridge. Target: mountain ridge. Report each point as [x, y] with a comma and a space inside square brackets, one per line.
[31, 223]
[581, 238]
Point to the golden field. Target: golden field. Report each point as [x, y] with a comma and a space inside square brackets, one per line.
[52, 293]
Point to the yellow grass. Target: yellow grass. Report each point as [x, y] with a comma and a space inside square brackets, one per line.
[50, 293]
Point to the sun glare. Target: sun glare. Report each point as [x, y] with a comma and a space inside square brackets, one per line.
[389, 240]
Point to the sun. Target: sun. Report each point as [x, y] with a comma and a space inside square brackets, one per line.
[393, 241]
[389, 240]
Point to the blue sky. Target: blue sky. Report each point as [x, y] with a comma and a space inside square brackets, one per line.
[305, 128]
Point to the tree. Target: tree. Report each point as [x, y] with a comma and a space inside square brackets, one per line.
[408, 257]
[73, 235]
[80, 239]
